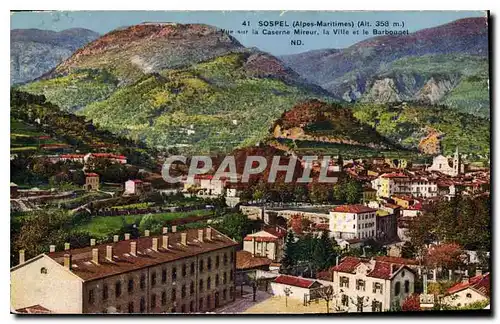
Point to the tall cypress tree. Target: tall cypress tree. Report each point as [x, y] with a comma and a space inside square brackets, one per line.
[289, 259]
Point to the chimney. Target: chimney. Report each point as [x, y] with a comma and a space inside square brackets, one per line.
[127, 236]
[66, 246]
[174, 229]
[200, 235]
[133, 248]
[209, 233]
[184, 238]
[52, 248]
[479, 272]
[116, 238]
[253, 245]
[146, 233]
[67, 261]
[164, 243]
[465, 279]
[155, 244]
[95, 256]
[92, 242]
[109, 252]
[21, 256]
[165, 230]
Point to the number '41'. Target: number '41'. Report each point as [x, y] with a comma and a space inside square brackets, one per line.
[246, 23]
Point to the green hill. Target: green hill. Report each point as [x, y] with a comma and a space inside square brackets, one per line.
[408, 124]
[216, 105]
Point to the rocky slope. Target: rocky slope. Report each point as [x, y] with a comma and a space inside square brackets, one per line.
[318, 121]
[400, 68]
[35, 52]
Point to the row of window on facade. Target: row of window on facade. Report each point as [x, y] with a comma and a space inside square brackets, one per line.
[142, 284]
[377, 287]
[360, 304]
[183, 309]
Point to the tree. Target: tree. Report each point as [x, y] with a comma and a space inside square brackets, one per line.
[353, 191]
[288, 291]
[289, 256]
[234, 225]
[324, 253]
[327, 295]
[411, 303]
[319, 193]
[447, 255]
[408, 251]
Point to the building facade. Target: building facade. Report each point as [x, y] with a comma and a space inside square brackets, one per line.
[363, 285]
[353, 221]
[182, 272]
[268, 243]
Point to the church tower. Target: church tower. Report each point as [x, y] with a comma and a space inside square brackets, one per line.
[456, 163]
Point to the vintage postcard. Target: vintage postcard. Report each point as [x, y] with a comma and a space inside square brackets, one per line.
[250, 162]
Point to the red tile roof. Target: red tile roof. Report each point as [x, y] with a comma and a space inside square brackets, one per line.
[384, 270]
[381, 270]
[245, 260]
[276, 231]
[394, 175]
[35, 309]
[108, 155]
[124, 262]
[294, 281]
[261, 238]
[396, 260]
[348, 264]
[72, 156]
[353, 209]
[480, 283]
[91, 174]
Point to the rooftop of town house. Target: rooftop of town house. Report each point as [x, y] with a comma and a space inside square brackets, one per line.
[377, 269]
[108, 155]
[356, 209]
[295, 281]
[91, 174]
[245, 261]
[480, 283]
[35, 309]
[123, 261]
[396, 260]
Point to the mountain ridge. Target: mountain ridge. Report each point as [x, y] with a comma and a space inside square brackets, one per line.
[351, 72]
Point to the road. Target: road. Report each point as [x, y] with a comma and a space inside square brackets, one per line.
[243, 303]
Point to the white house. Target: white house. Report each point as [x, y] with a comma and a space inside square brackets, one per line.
[136, 187]
[468, 291]
[297, 287]
[353, 221]
[363, 285]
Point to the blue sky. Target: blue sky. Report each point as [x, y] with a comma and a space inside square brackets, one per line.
[105, 21]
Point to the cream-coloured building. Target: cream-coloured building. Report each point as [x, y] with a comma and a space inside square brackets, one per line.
[296, 287]
[390, 184]
[363, 285]
[91, 181]
[268, 242]
[353, 221]
[469, 291]
[178, 272]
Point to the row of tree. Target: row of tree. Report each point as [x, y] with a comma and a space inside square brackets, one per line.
[347, 190]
